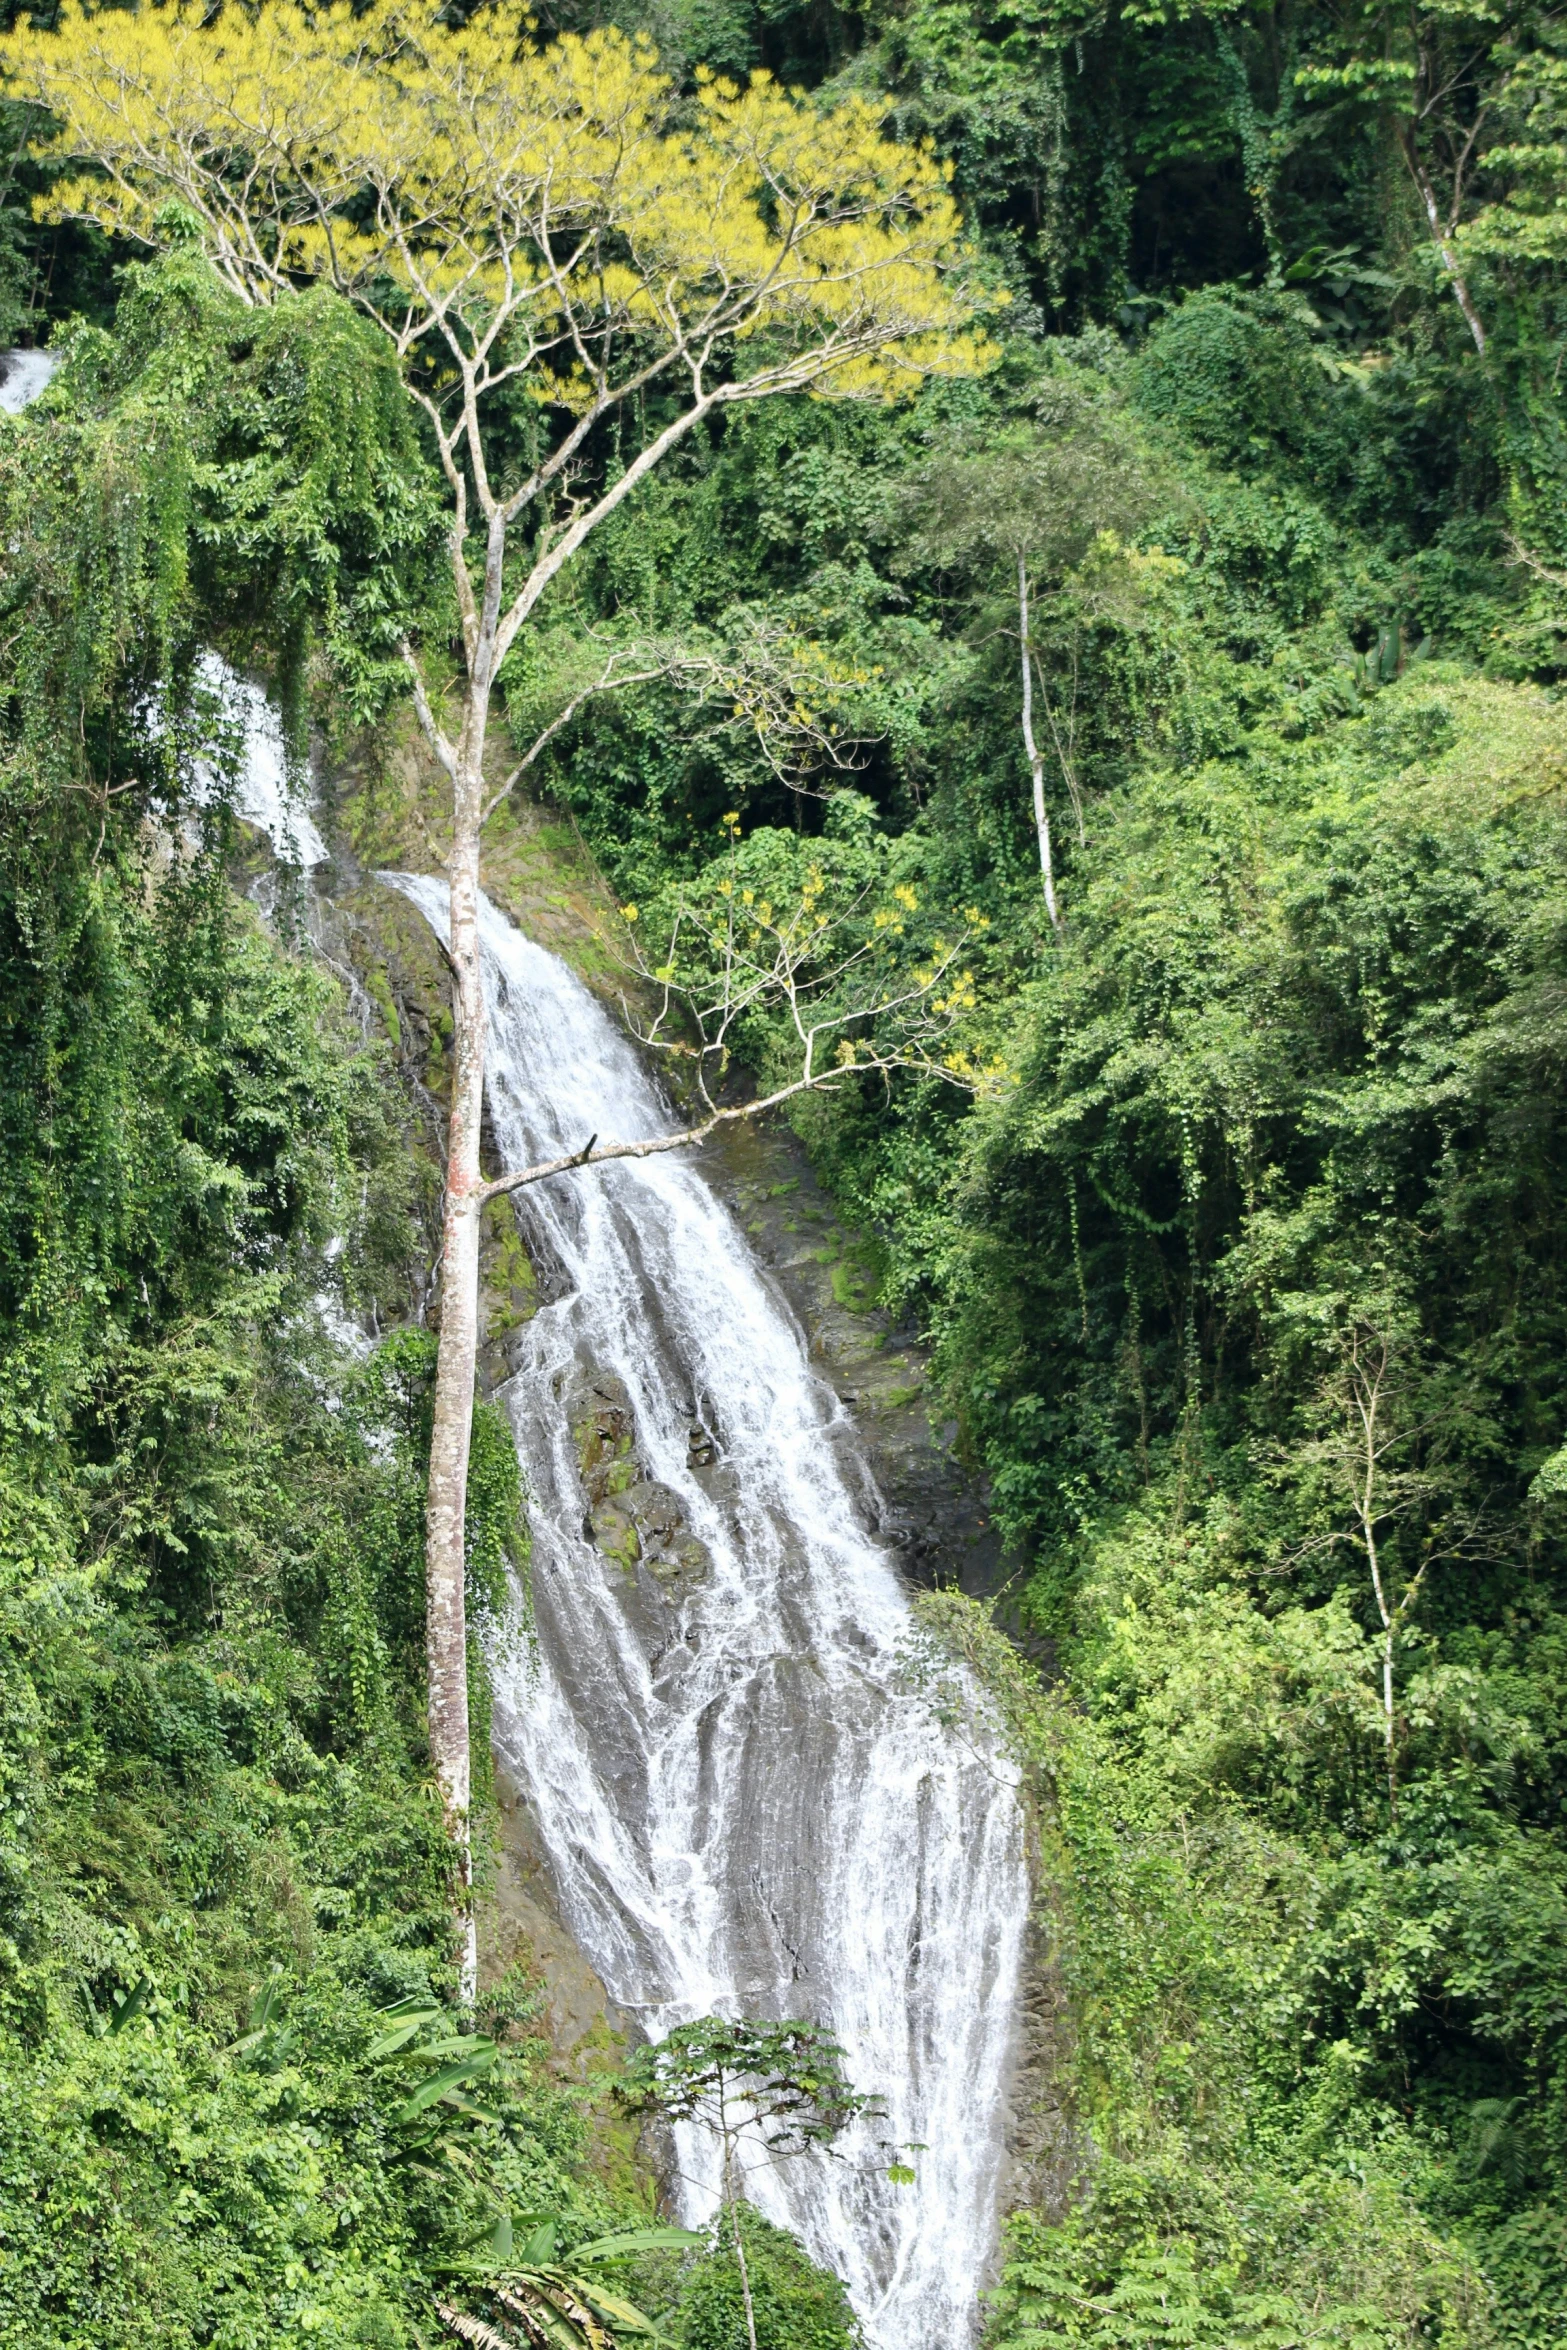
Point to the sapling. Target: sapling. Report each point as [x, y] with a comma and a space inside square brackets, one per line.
[775, 2089]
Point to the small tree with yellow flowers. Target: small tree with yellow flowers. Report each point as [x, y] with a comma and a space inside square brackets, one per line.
[792, 954]
[530, 224]
[815, 978]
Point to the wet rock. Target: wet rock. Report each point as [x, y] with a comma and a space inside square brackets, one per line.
[633, 1520]
[601, 1423]
[521, 1926]
[616, 1533]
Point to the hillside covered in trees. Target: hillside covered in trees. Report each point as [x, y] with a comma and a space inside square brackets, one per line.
[1225, 551]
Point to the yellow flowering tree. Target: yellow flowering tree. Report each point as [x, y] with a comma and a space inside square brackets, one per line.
[539, 231]
[814, 969]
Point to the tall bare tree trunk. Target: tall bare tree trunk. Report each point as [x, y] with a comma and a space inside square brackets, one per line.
[446, 1630]
[1389, 1714]
[1036, 764]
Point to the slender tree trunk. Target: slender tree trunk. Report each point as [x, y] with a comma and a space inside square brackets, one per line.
[1063, 755]
[745, 2273]
[1036, 764]
[1441, 235]
[1368, 1529]
[1389, 1718]
[446, 1631]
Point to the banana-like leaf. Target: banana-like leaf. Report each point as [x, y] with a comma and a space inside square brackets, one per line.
[554, 2307]
[399, 2037]
[609, 2306]
[640, 2240]
[465, 2068]
[564, 2292]
[534, 2310]
[461, 2104]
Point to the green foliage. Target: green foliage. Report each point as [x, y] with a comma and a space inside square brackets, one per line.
[781, 2084]
[1240, 2180]
[222, 1859]
[797, 2306]
[1302, 1092]
[1286, 1100]
[253, 475]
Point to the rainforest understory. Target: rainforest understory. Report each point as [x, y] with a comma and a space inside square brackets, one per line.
[1235, 1220]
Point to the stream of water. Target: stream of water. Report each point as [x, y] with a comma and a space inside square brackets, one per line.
[23, 375]
[744, 1809]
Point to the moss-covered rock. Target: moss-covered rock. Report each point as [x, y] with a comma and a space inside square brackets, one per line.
[633, 1519]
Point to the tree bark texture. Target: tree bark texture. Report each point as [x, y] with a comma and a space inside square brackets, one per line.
[446, 1629]
[732, 2194]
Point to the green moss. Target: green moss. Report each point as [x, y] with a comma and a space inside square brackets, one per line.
[379, 988]
[853, 1287]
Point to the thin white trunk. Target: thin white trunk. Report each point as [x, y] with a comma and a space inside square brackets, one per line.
[1441, 237]
[733, 2201]
[1367, 1403]
[1036, 764]
[1389, 1720]
[446, 1630]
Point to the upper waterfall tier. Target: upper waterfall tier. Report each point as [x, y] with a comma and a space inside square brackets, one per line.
[745, 1809]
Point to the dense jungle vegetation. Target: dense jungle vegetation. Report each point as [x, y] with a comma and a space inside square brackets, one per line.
[1246, 1274]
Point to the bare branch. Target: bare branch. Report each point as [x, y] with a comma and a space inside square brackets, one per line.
[435, 734]
[610, 680]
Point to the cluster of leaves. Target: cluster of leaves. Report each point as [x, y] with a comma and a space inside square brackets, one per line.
[782, 2085]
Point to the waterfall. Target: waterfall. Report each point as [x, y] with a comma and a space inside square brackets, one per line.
[744, 1809]
[23, 375]
[264, 796]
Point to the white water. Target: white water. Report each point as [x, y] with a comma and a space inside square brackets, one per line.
[23, 375]
[743, 1811]
[263, 796]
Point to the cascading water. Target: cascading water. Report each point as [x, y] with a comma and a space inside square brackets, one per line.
[744, 1810]
[263, 794]
[23, 375]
